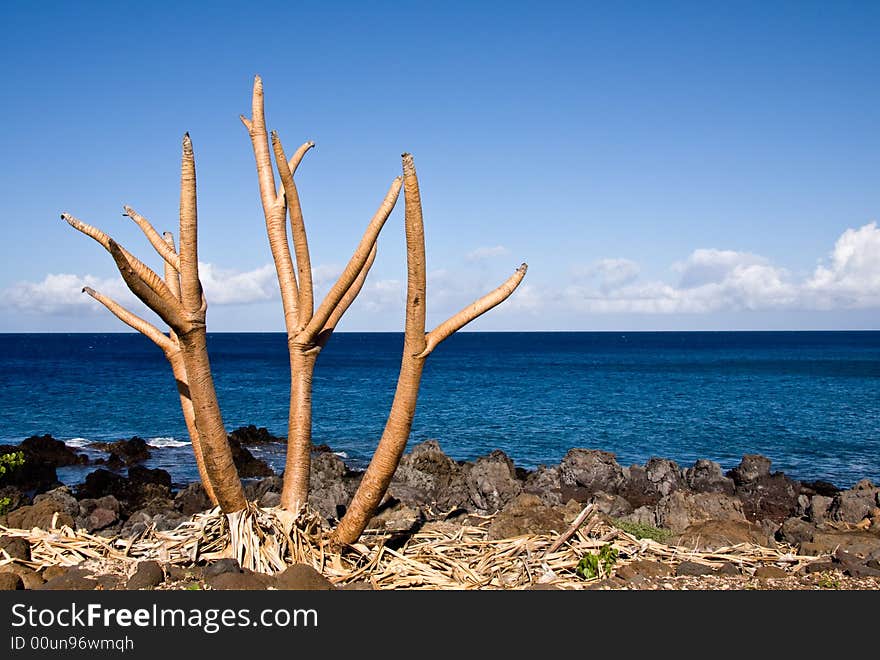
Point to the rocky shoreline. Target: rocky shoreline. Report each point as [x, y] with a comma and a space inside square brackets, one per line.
[699, 507]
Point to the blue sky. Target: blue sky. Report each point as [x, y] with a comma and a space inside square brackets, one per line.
[658, 165]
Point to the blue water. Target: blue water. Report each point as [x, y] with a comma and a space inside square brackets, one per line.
[808, 400]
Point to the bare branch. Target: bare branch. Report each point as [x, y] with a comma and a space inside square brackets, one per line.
[132, 320]
[166, 306]
[297, 156]
[355, 264]
[306, 298]
[147, 276]
[190, 286]
[152, 235]
[349, 296]
[415, 263]
[172, 274]
[472, 311]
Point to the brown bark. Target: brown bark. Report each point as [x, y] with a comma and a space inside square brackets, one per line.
[416, 347]
[308, 330]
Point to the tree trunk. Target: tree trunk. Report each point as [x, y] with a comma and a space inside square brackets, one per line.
[295, 492]
[384, 463]
[209, 422]
[189, 416]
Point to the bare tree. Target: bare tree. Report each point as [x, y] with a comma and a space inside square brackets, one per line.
[417, 347]
[179, 301]
[308, 330]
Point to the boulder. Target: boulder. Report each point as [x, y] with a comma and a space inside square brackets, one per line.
[611, 505]
[16, 496]
[592, 469]
[770, 573]
[644, 515]
[16, 547]
[192, 499]
[796, 531]
[526, 514]
[680, 510]
[692, 568]
[707, 477]
[426, 476]
[124, 452]
[252, 435]
[643, 568]
[243, 581]
[246, 463]
[256, 489]
[711, 535]
[854, 505]
[149, 574]
[546, 483]
[859, 543]
[750, 468]
[819, 507]
[218, 566]
[491, 482]
[70, 579]
[332, 485]
[100, 518]
[41, 514]
[397, 517]
[11, 582]
[769, 497]
[302, 577]
[42, 454]
[29, 576]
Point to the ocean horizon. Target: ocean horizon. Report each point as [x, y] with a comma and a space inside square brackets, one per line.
[806, 399]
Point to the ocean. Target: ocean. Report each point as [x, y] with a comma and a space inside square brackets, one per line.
[810, 401]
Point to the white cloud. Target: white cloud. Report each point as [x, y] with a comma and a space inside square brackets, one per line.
[482, 253]
[60, 293]
[229, 287]
[712, 280]
[852, 277]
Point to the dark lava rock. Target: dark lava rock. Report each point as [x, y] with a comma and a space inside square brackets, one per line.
[751, 467]
[591, 469]
[768, 496]
[256, 489]
[691, 568]
[16, 497]
[192, 499]
[728, 568]
[302, 577]
[142, 475]
[220, 566]
[863, 544]
[16, 547]
[546, 483]
[148, 575]
[426, 475]
[332, 485]
[42, 454]
[491, 482]
[823, 488]
[246, 463]
[40, 514]
[682, 509]
[611, 505]
[396, 517]
[855, 504]
[819, 508]
[242, 581]
[125, 452]
[29, 576]
[102, 482]
[714, 534]
[643, 568]
[526, 514]
[252, 435]
[796, 531]
[11, 582]
[707, 477]
[853, 565]
[70, 579]
[100, 519]
[770, 573]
